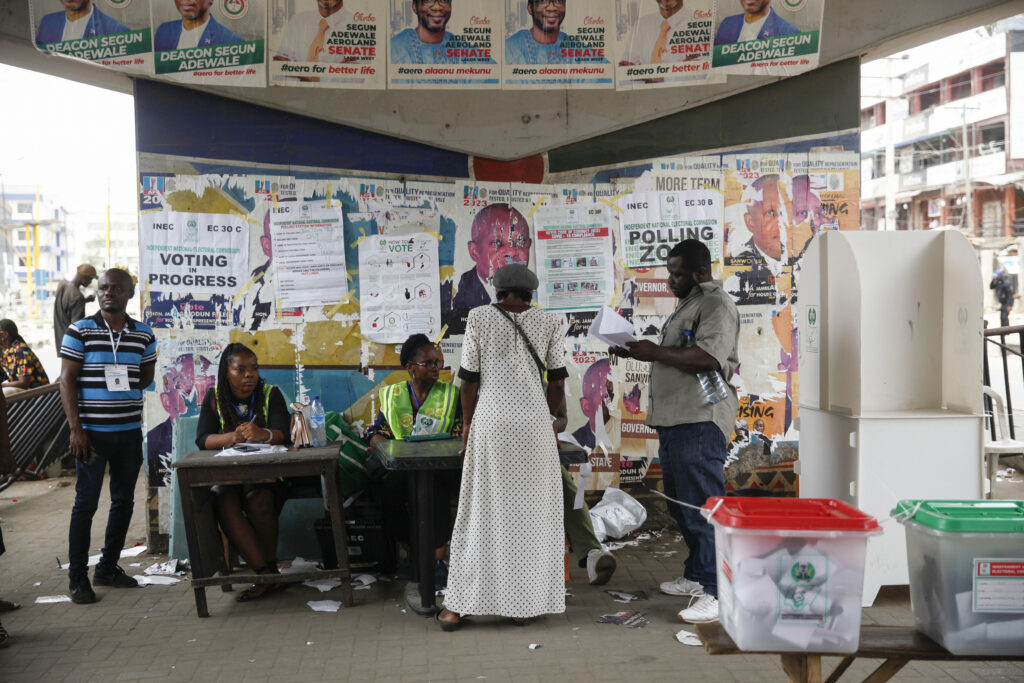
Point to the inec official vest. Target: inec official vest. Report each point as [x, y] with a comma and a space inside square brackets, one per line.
[267, 388]
[440, 404]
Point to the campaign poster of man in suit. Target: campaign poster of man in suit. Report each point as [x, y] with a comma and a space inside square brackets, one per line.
[117, 36]
[767, 37]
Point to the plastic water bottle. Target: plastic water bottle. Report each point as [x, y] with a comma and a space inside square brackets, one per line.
[712, 383]
[317, 423]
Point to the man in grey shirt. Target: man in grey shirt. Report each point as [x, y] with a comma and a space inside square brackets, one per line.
[69, 302]
[693, 435]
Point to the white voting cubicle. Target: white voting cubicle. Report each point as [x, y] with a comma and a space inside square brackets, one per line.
[890, 377]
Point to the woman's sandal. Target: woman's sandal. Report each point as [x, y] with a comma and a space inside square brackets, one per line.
[448, 626]
[8, 606]
[257, 591]
[521, 621]
[5, 638]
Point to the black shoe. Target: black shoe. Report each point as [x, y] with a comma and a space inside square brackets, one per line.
[81, 592]
[115, 578]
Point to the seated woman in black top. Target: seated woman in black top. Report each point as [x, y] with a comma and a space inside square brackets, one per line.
[243, 408]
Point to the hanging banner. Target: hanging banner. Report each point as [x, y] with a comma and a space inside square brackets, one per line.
[779, 38]
[574, 257]
[668, 44]
[445, 44]
[308, 244]
[654, 222]
[202, 253]
[399, 282]
[115, 34]
[332, 44]
[553, 43]
[210, 41]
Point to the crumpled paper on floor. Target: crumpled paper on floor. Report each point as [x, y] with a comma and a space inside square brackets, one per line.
[324, 605]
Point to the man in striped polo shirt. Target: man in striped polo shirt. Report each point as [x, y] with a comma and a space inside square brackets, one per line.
[107, 360]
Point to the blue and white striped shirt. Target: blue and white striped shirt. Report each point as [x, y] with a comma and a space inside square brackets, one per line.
[88, 342]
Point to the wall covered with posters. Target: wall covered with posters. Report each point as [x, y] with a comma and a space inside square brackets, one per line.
[220, 239]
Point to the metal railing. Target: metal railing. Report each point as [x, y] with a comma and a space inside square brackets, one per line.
[1009, 341]
[38, 430]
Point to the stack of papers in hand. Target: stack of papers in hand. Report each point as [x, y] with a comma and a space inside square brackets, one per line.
[611, 328]
[251, 449]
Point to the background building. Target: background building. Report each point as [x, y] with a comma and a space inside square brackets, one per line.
[942, 139]
[34, 255]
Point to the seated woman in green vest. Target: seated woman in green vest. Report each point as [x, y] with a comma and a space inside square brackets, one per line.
[242, 408]
[422, 405]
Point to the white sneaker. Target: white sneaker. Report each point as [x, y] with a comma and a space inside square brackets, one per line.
[600, 566]
[701, 612]
[683, 587]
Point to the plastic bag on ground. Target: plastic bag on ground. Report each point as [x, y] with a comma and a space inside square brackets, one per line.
[617, 514]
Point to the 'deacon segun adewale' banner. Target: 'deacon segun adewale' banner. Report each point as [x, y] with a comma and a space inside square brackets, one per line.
[778, 38]
[445, 44]
[664, 43]
[210, 41]
[199, 253]
[332, 44]
[113, 33]
[558, 43]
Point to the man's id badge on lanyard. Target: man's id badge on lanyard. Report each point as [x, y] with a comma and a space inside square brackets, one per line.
[117, 377]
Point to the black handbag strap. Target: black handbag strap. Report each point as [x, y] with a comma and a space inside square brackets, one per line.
[529, 345]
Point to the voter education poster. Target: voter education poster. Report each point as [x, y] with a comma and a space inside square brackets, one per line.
[112, 33]
[445, 44]
[654, 222]
[662, 44]
[210, 41]
[780, 38]
[399, 287]
[566, 44]
[574, 256]
[200, 253]
[331, 44]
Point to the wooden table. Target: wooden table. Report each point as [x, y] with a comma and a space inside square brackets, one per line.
[200, 470]
[897, 645]
[423, 458]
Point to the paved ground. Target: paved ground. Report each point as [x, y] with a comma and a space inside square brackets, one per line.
[153, 633]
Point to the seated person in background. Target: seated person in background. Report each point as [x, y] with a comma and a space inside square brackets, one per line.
[243, 408]
[423, 405]
[19, 363]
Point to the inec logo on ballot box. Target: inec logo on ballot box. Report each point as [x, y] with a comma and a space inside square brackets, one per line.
[235, 9]
[119, 4]
[191, 230]
[802, 571]
[794, 5]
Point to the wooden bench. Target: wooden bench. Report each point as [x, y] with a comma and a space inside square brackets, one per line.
[897, 645]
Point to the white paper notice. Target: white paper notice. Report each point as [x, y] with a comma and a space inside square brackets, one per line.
[199, 253]
[999, 585]
[654, 222]
[574, 256]
[399, 287]
[611, 328]
[309, 254]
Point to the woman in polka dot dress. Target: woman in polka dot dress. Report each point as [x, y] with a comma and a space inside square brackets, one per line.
[507, 545]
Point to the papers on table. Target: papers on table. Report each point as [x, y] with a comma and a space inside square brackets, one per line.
[611, 328]
[251, 449]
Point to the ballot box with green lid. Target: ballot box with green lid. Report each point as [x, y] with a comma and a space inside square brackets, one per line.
[790, 572]
[966, 561]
